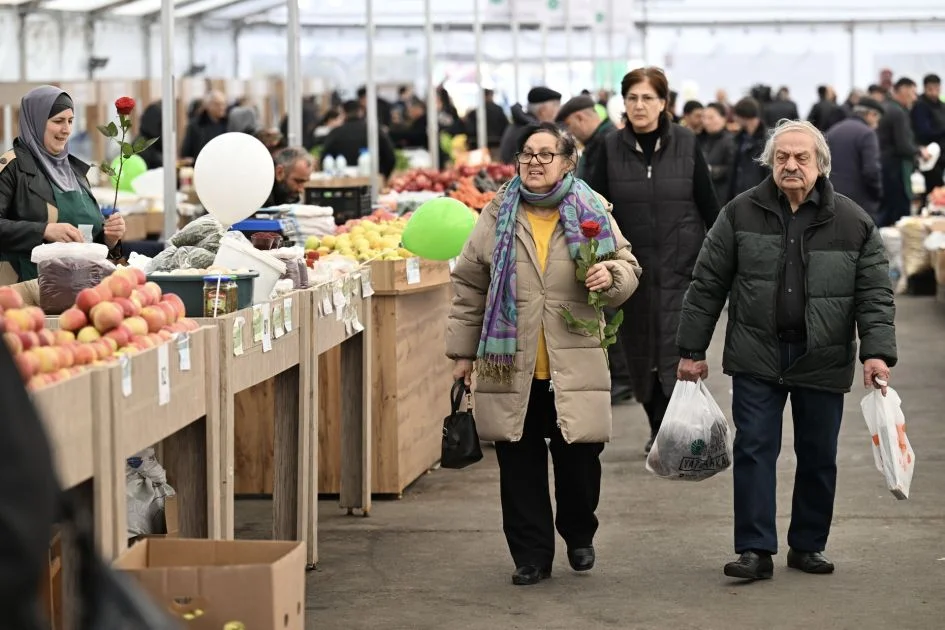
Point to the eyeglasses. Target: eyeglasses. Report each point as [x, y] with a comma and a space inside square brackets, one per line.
[544, 157]
[647, 99]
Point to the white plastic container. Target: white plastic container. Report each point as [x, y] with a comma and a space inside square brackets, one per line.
[364, 164]
[328, 165]
[341, 164]
[235, 254]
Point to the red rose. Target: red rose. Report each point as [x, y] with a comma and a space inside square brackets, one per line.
[125, 105]
[590, 229]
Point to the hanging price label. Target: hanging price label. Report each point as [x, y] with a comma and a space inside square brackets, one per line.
[326, 300]
[277, 321]
[413, 271]
[238, 324]
[164, 375]
[183, 351]
[366, 289]
[287, 314]
[257, 323]
[125, 362]
[338, 299]
[267, 328]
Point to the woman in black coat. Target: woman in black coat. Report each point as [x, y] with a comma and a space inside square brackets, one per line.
[45, 195]
[654, 173]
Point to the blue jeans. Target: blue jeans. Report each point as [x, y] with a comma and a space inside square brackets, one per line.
[758, 409]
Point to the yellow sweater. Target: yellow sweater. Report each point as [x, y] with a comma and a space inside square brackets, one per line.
[543, 228]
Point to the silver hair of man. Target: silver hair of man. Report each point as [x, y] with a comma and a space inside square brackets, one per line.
[290, 155]
[786, 126]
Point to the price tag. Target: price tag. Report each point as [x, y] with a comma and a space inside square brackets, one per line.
[287, 314]
[366, 289]
[164, 375]
[326, 301]
[413, 271]
[453, 264]
[257, 323]
[183, 351]
[238, 324]
[125, 363]
[349, 327]
[338, 298]
[355, 323]
[267, 328]
[277, 321]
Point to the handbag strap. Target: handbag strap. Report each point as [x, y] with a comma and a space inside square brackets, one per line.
[456, 395]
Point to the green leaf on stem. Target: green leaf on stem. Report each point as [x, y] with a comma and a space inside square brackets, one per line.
[568, 316]
[611, 328]
[594, 299]
[125, 122]
[127, 150]
[580, 272]
[608, 341]
[142, 144]
[109, 130]
[108, 170]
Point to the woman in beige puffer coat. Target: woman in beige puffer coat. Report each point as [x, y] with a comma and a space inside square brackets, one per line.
[538, 377]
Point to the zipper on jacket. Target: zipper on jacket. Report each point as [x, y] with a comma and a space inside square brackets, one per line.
[810, 227]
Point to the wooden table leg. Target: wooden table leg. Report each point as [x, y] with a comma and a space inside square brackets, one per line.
[285, 491]
[185, 460]
[355, 424]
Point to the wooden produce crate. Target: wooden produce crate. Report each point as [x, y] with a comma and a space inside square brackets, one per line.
[170, 394]
[246, 360]
[410, 379]
[397, 277]
[75, 413]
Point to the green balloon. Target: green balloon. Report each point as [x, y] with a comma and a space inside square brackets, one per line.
[132, 167]
[439, 229]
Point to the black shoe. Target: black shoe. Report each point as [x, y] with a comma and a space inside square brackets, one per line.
[649, 444]
[751, 566]
[581, 558]
[529, 574]
[809, 562]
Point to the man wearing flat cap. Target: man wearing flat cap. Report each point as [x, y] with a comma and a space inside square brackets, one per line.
[543, 105]
[854, 147]
[580, 117]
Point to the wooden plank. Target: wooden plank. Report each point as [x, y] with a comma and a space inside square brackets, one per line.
[185, 459]
[329, 421]
[285, 492]
[253, 438]
[390, 277]
[356, 429]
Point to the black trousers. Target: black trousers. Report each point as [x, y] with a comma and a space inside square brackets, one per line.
[619, 368]
[656, 407]
[523, 472]
[757, 409]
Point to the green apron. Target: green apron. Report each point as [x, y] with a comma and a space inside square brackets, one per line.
[76, 207]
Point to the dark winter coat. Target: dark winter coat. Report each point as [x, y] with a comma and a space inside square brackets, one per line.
[509, 144]
[719, 150]
[746, 171]
[776, 110]
[664, 209]
[496, 124]
[848, 290]
[593, 149]
[200, 131]
[349, 138]
[825, 115]
[856, 170]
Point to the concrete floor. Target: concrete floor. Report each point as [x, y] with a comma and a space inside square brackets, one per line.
[437, 559]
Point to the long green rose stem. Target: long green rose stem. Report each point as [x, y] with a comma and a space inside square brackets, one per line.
[121, 159]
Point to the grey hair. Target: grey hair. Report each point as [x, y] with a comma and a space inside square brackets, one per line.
[786, 125]
[290, 155]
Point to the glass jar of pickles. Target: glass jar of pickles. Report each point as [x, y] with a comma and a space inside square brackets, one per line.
[216, 296]
[232, 294]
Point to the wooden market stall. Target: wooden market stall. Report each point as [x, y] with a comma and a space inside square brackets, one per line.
[170, 394]
[410, 377]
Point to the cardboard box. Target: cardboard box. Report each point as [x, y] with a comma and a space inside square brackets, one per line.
[211, 582]
[396, 277]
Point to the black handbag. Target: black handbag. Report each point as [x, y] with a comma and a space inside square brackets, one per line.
[460, 439]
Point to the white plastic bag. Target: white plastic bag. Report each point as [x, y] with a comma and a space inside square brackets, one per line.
[892, 451]
[694, 442]
[146, 488]
[64, 269]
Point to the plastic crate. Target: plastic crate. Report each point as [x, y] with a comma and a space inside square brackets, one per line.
[347, 202]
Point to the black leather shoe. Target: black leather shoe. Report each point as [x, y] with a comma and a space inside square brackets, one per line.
[809, 562]
[751, 566]
[649, 444]
[529, 574]
[581, 558]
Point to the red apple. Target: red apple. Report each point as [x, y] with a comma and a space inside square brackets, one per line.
[9, 298]
[74, 319]
[29, 340]
[177, 303]
[27, 364]
[48, 359]
[122, 335]
[104, 290]
[66, 356]
[86, 299]
[137, 325]
[129, 309]
[111, 342]
[46, 337]
[170, 312]
[155, 317]
[101, 348]
[153, 291]
[106, 316]
[84, 354]
[18, 320]
[120, 286]
[64, 337]
[38, 316]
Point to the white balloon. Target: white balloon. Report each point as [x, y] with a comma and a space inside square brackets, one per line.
[233, 176]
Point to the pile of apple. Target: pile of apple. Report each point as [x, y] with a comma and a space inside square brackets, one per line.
[124, 314]
[432, 180]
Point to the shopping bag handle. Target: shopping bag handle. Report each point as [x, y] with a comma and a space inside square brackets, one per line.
[459, 390]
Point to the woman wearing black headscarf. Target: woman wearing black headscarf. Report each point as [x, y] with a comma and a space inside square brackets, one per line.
[150, 129]
[44, 192]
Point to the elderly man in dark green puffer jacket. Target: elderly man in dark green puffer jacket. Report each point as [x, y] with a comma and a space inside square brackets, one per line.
[804, 270]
